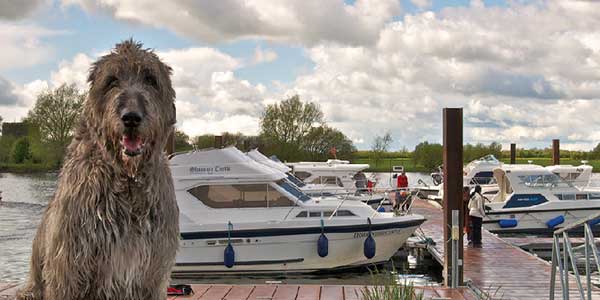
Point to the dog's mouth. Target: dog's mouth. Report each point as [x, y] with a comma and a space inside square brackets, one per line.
[132, 144]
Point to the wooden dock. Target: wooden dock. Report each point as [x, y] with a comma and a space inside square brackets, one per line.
[286, 292]
[498, 265]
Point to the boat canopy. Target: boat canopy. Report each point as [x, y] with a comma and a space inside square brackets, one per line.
[225, 165]
[261, 158]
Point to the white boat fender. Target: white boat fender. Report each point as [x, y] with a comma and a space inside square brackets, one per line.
[369, 245]
[229, 254]
[323, 242]
[508, 223]
[555, 221]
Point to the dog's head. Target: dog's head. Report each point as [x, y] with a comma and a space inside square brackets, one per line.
[131, 101]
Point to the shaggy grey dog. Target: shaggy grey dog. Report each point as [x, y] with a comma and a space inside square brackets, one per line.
[111, 230]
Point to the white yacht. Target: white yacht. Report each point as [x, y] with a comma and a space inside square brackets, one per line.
[337, 178]
[477, 172]
[579, 176]
[533, 200]
[239, 216]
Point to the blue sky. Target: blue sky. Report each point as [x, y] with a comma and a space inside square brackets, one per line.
[372, 66]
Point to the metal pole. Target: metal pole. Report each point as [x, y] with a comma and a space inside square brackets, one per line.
[593, 245]
[455, 234]
[565, 289]
[573, 264]
[588, 276]
[553, 272]
[566, 269]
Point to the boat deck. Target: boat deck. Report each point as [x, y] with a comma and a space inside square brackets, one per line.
[285, 292]
[498, 267]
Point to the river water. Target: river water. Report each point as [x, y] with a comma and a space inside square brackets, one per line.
[24, 198]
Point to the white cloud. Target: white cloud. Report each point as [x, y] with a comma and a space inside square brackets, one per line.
[307, 21]
[17, 9]
[24, 45]
[263, 56]
[421, 3]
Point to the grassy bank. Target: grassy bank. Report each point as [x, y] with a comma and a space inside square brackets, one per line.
[385, 164]
[26, 168]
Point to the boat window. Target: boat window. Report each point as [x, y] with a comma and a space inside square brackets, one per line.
[594, 196]
[302, 214]
[292, 189]
[483, 178]
[543, 181]
[293, 179]
[327, 213]
[314, 214]
[568, 197]
[581, 196]
[239, 196]
[344, 213]
[328, 180]
[302, 174]
[559, 196]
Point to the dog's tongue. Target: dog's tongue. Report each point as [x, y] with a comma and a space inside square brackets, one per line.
[132, 144]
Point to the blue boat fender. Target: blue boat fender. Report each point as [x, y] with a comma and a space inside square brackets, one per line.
[369, 245]
[508, 223]
[323, 242]
[381, 209]
[594, 222]
[555, 221]
[229, 254]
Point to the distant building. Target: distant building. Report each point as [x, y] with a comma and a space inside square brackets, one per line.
[16, 129]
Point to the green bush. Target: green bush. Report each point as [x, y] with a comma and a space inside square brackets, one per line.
[21, 150]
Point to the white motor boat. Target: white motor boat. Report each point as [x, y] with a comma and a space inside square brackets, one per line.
[533, 200]
[239, 216]
[478, 172]
[336, 178]
[579, 176]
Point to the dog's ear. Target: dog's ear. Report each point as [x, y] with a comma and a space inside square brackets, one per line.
[93, 73]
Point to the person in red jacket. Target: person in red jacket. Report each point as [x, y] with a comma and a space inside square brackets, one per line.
[401, 187]
[402, 181]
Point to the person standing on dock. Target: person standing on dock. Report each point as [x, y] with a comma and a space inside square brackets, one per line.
[465, 211]
[476, 214]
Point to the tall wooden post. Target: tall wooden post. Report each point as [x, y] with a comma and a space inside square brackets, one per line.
[513, 153]
[218, 141]
[453, 186]
[170, 146]
[556, 152]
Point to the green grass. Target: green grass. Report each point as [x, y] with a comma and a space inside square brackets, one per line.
[26, 168]
[384, 286]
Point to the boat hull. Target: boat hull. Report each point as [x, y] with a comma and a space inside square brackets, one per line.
[533, 222]
[288, 250]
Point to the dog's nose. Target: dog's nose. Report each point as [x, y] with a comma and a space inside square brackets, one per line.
[131, 119]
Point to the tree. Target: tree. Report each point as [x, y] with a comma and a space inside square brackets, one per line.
[21, 150]
[380, 146]
[321, 140]
[285, 125]
[182, 141]
[428, 155]
[55, 114]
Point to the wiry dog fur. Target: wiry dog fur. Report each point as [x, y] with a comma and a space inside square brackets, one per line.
[111, 230]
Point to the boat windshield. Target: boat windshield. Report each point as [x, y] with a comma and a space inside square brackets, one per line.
[295, 180]
[293, 189]
[544, 181]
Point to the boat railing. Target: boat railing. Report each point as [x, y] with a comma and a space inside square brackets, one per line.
[568, 257]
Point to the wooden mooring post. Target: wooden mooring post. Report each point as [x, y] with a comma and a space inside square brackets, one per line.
[218, 141]
[556, 152]
[453, 186]
[513, 153]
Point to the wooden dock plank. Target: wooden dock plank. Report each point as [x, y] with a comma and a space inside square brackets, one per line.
[216, 292]
[332, 292]
[286, 292]
[309, 292]
[498, 266]
[263, 292]
[239, 292]
[353, 292]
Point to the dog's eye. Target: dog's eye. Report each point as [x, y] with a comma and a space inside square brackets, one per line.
[151, 81]
[111, 82]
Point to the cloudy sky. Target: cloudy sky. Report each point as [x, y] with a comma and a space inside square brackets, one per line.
[524, 71]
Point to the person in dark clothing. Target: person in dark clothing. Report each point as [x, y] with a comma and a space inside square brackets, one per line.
[476, 213]
[466, 217]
